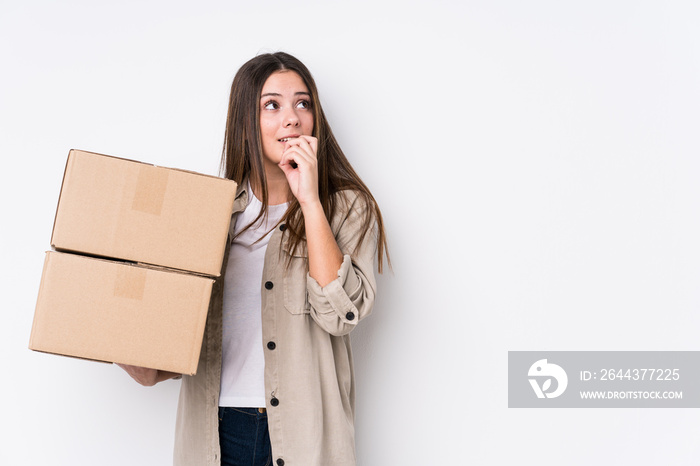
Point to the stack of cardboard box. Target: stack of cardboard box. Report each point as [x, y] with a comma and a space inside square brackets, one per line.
[137, 249]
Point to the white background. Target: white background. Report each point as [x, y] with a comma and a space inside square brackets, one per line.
[536, 163]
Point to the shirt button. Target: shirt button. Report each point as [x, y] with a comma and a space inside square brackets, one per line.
[274, 401]
[283, 227]
[271, 345]
[269, 285]
[280, 462]
[350, 315]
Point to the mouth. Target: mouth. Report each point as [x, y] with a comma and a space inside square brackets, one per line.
[288, 138]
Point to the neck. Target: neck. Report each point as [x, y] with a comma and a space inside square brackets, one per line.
[277, 186]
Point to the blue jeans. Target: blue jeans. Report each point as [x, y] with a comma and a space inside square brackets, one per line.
[244, 438]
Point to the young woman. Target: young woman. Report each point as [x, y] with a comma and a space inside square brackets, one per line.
[275, 383]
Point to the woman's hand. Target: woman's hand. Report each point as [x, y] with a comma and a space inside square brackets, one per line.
[302, 179]
[325, 257]
[145, 376]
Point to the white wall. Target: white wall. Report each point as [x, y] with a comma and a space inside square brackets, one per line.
[537, 165]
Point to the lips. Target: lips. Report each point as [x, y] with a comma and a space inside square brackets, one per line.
[287, 138]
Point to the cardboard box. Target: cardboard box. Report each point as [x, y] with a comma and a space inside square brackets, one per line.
[111, 311]
[128, 210]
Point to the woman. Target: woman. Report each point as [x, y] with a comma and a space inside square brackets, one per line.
[275, 383]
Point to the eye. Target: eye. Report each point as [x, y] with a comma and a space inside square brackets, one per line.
[271, 105]
[305, 104]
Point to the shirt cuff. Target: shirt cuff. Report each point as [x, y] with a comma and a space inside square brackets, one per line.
[337, 295]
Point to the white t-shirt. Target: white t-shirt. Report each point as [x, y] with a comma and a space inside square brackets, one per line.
[243, 364]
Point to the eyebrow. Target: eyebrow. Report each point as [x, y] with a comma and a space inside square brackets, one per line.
[275, 94]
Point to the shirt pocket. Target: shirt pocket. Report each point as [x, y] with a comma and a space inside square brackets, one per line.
[296, 296]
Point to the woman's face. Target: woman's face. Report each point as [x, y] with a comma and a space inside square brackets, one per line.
[285, 113]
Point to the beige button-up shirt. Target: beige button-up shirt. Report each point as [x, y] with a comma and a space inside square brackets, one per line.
[309, 381]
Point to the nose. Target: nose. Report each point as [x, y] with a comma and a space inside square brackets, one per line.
[291, 118]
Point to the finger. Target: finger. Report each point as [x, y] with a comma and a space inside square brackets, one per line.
[307, 143]
[297, 155]
[312, 141]
[288, 158]
[286, 168]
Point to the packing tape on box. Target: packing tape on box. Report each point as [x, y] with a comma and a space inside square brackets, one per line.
[130, 282]
[150, 189]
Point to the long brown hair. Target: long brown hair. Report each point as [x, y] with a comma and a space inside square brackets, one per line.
[242, 155]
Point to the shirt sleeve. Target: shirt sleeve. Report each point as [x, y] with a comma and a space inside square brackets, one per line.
[341, 304]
